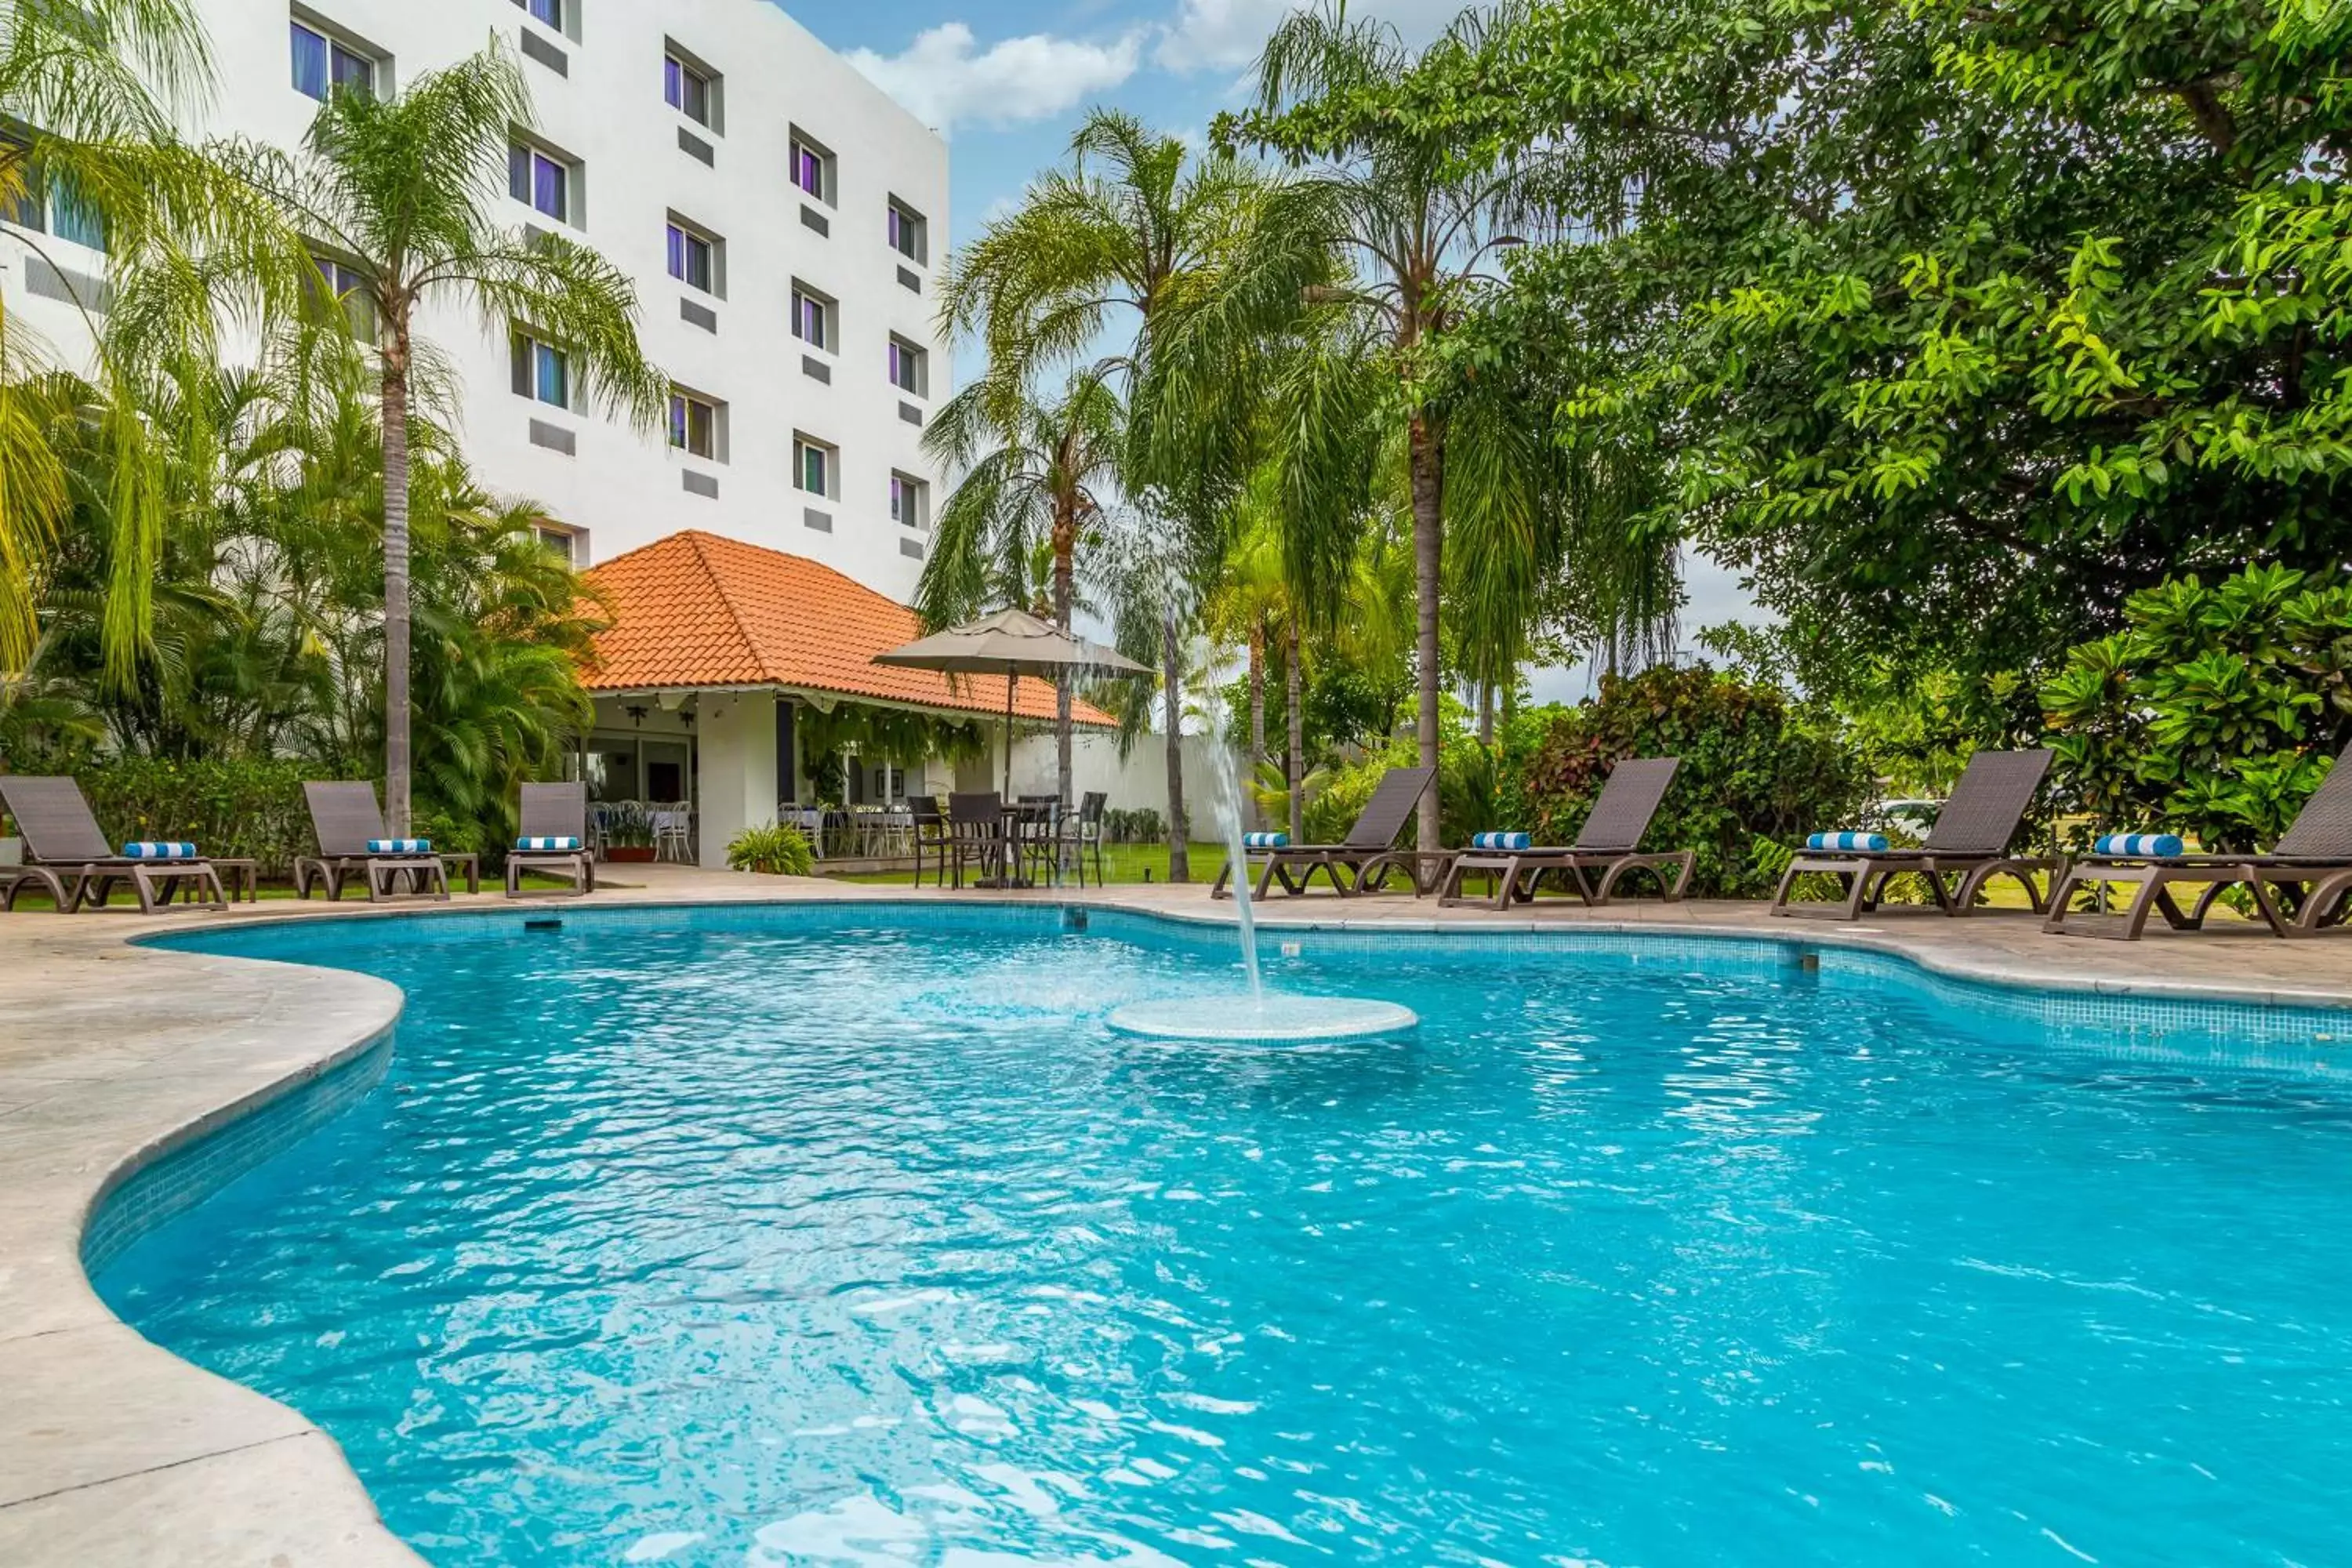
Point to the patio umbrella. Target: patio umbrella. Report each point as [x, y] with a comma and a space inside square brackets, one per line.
[1010, 643]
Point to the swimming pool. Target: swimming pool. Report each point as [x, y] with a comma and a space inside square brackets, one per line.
[852, 1235]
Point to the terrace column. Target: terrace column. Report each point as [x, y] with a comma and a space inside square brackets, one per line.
[738, 735]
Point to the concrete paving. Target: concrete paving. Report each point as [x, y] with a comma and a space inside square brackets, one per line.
[113, 1451]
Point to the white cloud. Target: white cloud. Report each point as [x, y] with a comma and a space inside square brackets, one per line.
[944, 80]
[1224, 34]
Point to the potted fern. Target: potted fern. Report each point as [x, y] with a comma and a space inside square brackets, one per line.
[628, 833]
[773, 850]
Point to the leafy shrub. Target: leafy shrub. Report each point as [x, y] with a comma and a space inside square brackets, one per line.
[1138, 825]
[1753, 769]
[773, 850]
[251, 809]
[2214, 714]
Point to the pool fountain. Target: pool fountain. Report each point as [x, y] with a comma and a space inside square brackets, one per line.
[1258, 1018]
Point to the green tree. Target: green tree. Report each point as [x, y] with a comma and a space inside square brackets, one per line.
[405, 192]
[1376, 394]
[1186, 267]
[1032, 473]
[1959, 323]
[88, 150]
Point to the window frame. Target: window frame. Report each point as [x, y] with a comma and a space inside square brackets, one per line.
[680, 237]
[916, 498]
[905, 351]
[828, 456]
[683, 406]
[529, 356]
[685, 74]
[902, 216]
[806, 296]
[525, 158]
[798, 144]
[335, 48]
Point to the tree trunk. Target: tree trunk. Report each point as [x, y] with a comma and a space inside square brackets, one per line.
[1065, 546]
[396, 582]
[1428, 546]
[1257, 707]
[1295, 694]
[1180, 826]
[1486, 714]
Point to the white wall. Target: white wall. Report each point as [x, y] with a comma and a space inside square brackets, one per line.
[625, 487]
[737, 741]
[1140, 782]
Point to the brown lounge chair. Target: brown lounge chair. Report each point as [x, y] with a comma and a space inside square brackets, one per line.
[2313, 857]
[1970, 841]
[65, 853]
[1366, 857]
[345, 819]
[553, 815]
[1608, 843]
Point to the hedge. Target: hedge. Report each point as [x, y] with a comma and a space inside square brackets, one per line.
[250, 809]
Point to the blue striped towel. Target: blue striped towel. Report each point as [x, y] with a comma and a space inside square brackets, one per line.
[1502, 841]
[400, 847]
[1863, 843]
[2140, 845]
[170, 850]
[567, 842]
[1265, 840]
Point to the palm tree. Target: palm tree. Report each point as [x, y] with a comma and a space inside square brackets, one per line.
[404, 193]
[1181, 262]
[1254, 600]
[1032, 474]
[89, 151]
[1417, 212]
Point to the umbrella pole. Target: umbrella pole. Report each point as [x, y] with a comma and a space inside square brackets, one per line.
[1008, 734]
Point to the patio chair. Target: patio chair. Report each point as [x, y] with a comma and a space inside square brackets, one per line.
[1366, 855]
[930, 838]
[555, 838]
[976, 833]
[1969, 841]
[350, 830]
[65, 853]
[1080, 833]
[1609, 843]
[2311, 861]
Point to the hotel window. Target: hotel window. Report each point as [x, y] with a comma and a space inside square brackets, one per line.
[909, 367]
[539, 180]
[815, 318]
[541, 370]
[694, 426]
[816, 467]
[909, 235]
[910, 500]
[548, 11]
[690, 88]
[813, 168]
[323, 65]
[345, 284]
[45, 204]
[72, 218]
[695, 260]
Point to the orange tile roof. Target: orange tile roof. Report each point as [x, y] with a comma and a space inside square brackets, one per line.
[696, 609]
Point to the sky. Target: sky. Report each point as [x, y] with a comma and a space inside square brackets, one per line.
[1006, 81]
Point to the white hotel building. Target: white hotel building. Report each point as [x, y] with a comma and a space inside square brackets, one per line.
[783, 221]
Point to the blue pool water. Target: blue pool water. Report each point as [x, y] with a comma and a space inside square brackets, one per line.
[772, 1238]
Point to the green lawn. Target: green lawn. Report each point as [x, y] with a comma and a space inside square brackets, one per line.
[1120, 863]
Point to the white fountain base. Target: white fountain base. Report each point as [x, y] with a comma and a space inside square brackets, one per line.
[1275, 1020]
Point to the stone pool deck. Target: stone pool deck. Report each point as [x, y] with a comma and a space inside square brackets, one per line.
[114, 1452]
